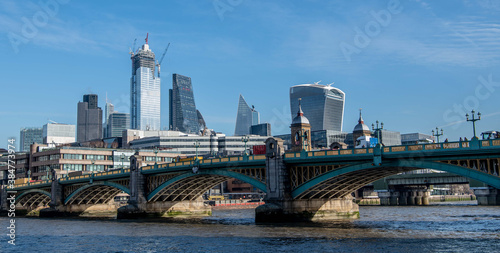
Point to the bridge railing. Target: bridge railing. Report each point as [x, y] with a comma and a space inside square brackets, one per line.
[96, 175]
[207, 162]
[390, 149]
[31, 183]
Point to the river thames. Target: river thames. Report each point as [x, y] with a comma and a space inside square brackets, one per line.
[460, 227]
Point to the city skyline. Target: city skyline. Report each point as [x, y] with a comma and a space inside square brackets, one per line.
[412, 81]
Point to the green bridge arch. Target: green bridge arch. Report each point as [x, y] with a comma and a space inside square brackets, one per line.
[31, 192]
[455, 169]
[218, 172]
[96, 184]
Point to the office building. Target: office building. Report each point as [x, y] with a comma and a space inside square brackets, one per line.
[40, 160]
[144, 91]
[117, 123]
[416, 138]
[183, 143]
[182, 108]
[247, 116]
[56, 133]
[389, 138]
[89, 120]
[323, 105]
[29, 136]
[108, 110]
[263, 129]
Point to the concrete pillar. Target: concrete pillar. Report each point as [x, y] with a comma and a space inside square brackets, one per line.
[412, 194]
[403, 198]
[487, 196]
[384, 197]
[394, 199]
[426, 197]
[418, 197]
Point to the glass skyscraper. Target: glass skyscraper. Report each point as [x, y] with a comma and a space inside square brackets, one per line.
[30, 136]
[247, 116]
[118, 122]
[323, 105]
[182, 108]
[144, 91]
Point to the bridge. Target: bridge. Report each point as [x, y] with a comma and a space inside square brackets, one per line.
[299, 186]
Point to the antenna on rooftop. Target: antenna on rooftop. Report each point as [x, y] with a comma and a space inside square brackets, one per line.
[147, 35]
[330, 84]
[317, 82]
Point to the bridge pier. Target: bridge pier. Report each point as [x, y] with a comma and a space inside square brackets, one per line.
[139, 207]
[487, 196]
[281, 207]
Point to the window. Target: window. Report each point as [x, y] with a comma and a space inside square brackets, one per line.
[73, 156]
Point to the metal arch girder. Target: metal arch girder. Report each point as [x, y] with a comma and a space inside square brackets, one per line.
[100, 183]
[33, 191]
[455, 169]
[217, 172]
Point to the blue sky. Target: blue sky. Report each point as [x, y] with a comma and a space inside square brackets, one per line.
[414, 65]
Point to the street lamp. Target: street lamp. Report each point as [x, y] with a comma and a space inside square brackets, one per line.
[196, 145]
[378, 130]
[437, 134]
[92, 168]
[156, 155]
[473, 120]
[122, 157]
[245, 140]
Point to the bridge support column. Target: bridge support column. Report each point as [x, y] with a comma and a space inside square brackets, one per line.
[412, 195]
[56, 205]
[281, 207]
[426, 195]
[403, 198]
[394, 199]
[139, 207]
[384, 197]
[487, 196]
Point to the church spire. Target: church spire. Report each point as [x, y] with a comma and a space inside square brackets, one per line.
[300, 112]
[360, 121]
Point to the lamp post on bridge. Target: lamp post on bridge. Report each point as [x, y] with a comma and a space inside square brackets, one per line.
[378, 130]
[122, 157]
[196, 146]
[473, 120]
[156, 155]
[245, 140]
[437, 133]
[305, 142]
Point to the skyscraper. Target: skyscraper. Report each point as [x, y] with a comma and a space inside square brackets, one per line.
[144, 91]
[245, 118]
[29, 136]
[182, 108]
[117, 123]
[89, 120]
[323, 105]
[108, 110]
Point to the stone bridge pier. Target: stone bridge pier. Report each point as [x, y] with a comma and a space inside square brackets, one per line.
[138, 205]
[281, 207]
[412, 196]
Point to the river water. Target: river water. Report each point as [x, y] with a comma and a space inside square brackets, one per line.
[460, 227]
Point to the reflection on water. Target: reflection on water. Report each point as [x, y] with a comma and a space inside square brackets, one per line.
[438, 228]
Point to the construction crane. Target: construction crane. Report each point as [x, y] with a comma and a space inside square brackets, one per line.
[158, 63]
[132, 50]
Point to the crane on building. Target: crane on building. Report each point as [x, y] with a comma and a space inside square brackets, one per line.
[158, 63]
[132, 50]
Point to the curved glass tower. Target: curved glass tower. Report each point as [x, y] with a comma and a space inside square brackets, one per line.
[323, 105]
[247, 116]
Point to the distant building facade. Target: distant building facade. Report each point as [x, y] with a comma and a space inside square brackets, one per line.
[323, 105]
[144, 91]
[117, 123]
[263, 129]
[29, 136]
[89, 120]
[247, 116]
[182, 108]
[56, 133]
[416, 138]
